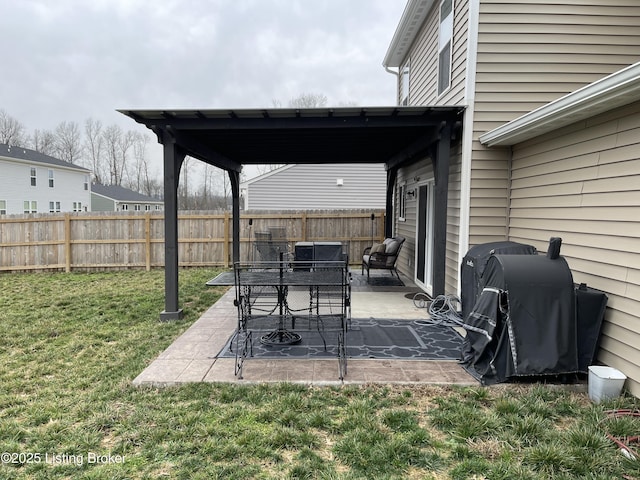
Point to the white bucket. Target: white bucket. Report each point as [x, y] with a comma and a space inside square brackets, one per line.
[605, 383]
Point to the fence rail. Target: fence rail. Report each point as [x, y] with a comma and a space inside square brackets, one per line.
[124, 240]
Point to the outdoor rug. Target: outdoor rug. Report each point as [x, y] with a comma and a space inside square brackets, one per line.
[367, 338]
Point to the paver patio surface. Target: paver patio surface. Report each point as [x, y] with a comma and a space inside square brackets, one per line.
[193, 357]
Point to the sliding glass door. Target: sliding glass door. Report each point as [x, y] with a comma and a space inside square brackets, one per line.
[424, 238]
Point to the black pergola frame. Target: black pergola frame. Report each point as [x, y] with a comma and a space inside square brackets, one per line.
[231, 138]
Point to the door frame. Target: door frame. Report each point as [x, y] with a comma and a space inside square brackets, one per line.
[424, 246]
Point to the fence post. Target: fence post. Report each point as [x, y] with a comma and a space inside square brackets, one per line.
[225, 245]
[147, 240]
[67, 242]
[303, 221]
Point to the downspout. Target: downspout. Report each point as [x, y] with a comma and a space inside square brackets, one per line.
[397, 75]
[468, 131]
[392, 175]
[392, 72]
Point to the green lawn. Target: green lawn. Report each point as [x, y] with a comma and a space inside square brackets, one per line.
[70, 345]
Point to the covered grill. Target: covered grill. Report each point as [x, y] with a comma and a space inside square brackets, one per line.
[525, 321]
[474, 264]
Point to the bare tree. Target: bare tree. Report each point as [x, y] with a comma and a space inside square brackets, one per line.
[155, 188]
[185, 201]
[117, 149]
[68, 141]
[125, 146]
[44, 141]
[12, 132]
[206, 191]
[309, 100]
[140, 179]
[111, 136]
[94, 149]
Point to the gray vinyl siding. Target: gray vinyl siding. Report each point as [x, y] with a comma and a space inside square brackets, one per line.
[456, 94]
[412, 176]
[314, 187]
[102, 204]
[530, 53]
[423, 59]
[582, 183]
[453, 220]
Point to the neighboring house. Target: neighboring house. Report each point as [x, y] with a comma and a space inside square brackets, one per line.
[317, 187]
[550, 142]
[114, 198]
[31, 182]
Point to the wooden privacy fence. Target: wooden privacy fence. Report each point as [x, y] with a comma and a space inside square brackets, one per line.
[123, 240]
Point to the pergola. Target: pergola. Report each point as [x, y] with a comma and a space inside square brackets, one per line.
[231, 138]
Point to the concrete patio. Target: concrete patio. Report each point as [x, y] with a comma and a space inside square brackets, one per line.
[193, 356]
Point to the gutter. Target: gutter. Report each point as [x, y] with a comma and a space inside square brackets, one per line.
[408, 28]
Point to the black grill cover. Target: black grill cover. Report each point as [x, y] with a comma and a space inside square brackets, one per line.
[524, 321]
[591, 305]
[473, 266]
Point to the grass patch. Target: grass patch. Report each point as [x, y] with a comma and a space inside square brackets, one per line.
[70, 345]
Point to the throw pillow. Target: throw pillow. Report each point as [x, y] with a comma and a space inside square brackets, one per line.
[378, 248]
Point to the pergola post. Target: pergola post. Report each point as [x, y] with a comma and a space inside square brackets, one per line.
[173, 158]
[234, 178]
[441, 167]
[392, 174]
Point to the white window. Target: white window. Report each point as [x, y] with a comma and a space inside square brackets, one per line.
[125, 207]
[86, 182]
[147, 208]
[158, 207]
[77, 206]
[445, 40]
[33, 176]
[3, 207]
[136, 207]
[405, 85]
[402, 203]
[30, 206]
[54, 207]
[50, 178]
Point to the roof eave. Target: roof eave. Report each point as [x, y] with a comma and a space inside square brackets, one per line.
[615, 90]
[410, 23]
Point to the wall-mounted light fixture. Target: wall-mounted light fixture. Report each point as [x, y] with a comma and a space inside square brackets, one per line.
[411, 193]
[339, 182]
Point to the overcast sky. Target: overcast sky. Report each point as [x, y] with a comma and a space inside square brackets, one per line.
[69, 60]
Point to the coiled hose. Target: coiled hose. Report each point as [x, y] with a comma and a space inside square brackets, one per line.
[444, 311]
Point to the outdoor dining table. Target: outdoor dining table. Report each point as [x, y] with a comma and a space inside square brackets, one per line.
[277, 295]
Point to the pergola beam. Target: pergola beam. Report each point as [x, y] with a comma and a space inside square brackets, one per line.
[294, 123]
[197, 149]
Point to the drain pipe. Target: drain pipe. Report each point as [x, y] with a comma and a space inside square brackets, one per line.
[392, 72]
[397, 75]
